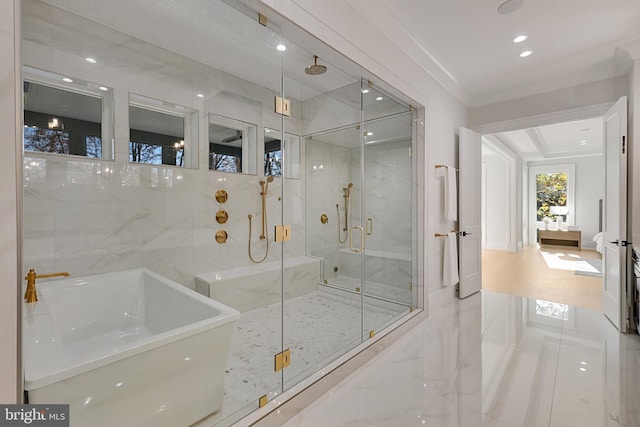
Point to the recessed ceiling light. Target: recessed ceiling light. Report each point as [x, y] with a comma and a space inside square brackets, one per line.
[200, 95]
[369, 133]
[281, 47]
[520, 38]
[509, 6]
[379, 98]
[525, 54]
[583, 142]
[67, 79]
[90, 60]
[103, 88]
[365, 91]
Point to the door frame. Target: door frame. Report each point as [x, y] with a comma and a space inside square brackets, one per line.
[579, 113]
[572, 114]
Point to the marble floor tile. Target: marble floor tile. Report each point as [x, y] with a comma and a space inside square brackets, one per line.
[316, 327]
[493, 360]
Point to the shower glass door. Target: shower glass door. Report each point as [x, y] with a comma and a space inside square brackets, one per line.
[322, 320]
[389, 272]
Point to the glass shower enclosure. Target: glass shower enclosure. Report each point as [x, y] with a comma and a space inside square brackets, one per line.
[234, 154]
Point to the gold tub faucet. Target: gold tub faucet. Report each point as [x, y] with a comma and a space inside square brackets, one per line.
[30, 295]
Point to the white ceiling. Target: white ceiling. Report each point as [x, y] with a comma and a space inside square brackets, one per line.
[208, 32]
[561, 140]
[471, 44]
[573, 41]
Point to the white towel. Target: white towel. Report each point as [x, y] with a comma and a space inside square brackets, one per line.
[450, 262]
[451, 195]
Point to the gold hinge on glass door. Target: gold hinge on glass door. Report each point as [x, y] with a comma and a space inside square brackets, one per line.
[282, 360]
[283, 106]
[262, 402]
[282, 233]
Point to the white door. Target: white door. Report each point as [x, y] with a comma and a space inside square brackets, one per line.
[615, 215]
[469, 212]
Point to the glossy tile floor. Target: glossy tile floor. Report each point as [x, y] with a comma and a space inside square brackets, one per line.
[493, 360]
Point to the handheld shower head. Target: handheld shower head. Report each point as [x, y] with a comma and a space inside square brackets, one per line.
[347, 190]
[266, 184]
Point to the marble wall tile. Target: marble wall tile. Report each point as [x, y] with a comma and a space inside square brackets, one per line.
[109, 215]
[9, 255]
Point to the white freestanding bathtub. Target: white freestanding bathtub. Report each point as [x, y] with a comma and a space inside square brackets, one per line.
[129, 348]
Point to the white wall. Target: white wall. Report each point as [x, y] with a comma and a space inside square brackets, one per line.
[10, 123]
[589, 188]
[563, 99]
[497, 219]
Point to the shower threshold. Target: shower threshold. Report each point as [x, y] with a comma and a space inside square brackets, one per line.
[375, 290]
[318, 327]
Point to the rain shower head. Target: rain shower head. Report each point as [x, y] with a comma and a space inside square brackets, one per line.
[315, 69]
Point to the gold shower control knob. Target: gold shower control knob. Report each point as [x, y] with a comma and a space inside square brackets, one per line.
[221, 196]
[324, 218]
[222, 216]
[221, 236]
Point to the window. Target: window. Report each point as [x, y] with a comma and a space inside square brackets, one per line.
[66, 116]
[232, 145]
[550, 187]
[45, 140]
[551, 191]
[162, 133]
[273, 157]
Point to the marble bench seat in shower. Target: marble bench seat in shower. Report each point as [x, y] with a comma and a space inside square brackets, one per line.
[390, 268]
[253, 286]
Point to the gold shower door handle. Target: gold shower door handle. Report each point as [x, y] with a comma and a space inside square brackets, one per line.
[369, 226]
[361, 248]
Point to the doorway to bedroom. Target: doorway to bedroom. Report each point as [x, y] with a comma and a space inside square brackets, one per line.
[542, 197]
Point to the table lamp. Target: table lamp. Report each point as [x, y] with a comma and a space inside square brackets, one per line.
[559, 212]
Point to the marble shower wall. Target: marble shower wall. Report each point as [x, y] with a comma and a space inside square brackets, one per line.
[328, 171]
[388, 191]
[88, 216]
[388, 202]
